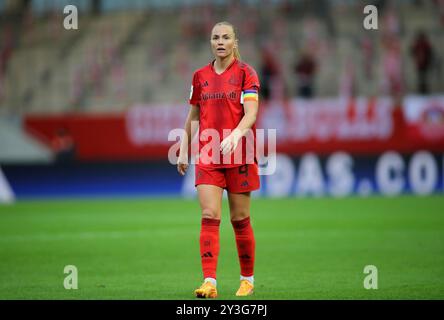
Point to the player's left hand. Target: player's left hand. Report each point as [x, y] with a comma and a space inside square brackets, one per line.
[229, 144]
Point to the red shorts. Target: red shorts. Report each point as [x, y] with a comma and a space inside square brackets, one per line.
[240, 179]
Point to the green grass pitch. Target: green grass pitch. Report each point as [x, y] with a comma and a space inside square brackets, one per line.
[148, 248]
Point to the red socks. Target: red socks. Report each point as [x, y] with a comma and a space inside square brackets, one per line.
[209, 246]
[245, 245]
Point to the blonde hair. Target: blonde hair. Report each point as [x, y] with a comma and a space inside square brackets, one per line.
[235, 50]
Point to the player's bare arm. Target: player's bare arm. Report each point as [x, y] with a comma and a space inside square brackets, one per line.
[229, 144]
[182, 161]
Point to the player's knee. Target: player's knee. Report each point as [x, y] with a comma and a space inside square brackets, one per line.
[239, 214]
[209, 213]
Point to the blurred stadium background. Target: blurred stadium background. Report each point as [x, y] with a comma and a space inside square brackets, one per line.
[86, 114]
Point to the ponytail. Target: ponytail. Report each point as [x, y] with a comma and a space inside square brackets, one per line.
[236, 53]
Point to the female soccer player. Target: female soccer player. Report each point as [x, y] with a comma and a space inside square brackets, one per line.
[224, 95]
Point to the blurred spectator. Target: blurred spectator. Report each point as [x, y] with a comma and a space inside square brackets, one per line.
[392, 66]
[185, 22]
[53, 27]
[391, 22]
[182, 61]
[6, 47]
[440, 7]
[1, 84]
[368, 53]
[118, 76]
[207, 18]
[269, 71]
[348, 85]
[108, 47]
[159, 53]
[287, 8]
[305, 70]
[63, 146]
[311, 34]
[78, 84]
[422, 55]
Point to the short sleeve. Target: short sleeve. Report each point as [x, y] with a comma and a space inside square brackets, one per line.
[195, 90]
[251, 81]
[251, 85]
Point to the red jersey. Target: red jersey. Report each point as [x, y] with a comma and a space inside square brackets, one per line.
[220, 99]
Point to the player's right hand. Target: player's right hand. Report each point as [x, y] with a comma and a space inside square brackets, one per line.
[182, 165]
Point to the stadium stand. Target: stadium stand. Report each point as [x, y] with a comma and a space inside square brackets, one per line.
[120, 58]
